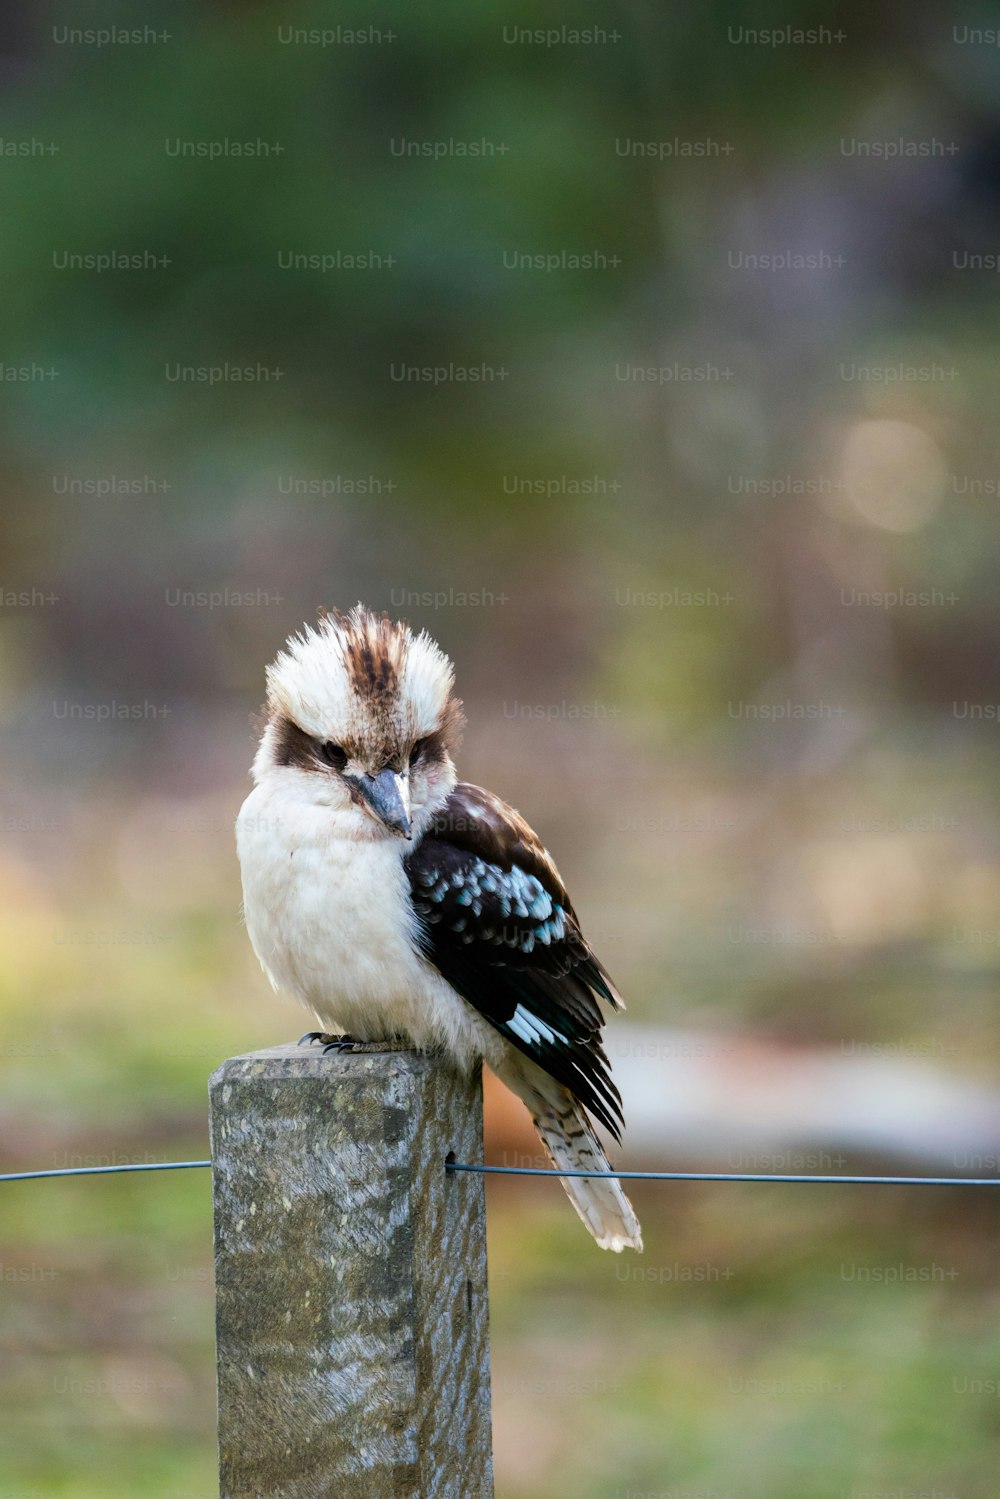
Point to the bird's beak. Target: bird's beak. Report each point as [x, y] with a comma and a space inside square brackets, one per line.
[387, 796]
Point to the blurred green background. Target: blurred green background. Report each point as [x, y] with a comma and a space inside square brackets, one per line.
[655, 530]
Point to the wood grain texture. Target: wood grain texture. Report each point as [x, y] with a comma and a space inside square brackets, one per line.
[352, 1315]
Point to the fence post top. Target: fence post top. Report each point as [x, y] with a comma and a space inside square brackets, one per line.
[291, 1060]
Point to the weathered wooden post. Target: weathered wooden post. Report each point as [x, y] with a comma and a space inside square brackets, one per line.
[352, 1316]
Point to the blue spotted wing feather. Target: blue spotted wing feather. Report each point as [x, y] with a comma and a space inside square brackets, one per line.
[496, 920]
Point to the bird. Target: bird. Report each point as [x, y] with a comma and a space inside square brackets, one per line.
[399, 904]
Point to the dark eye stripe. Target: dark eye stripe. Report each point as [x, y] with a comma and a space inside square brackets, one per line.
[293, 746]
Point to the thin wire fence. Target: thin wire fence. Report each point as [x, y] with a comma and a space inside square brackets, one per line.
[22, 1176]
[670, 1176]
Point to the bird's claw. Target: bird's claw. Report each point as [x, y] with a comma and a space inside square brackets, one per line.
[330, 1043]
[351, 1043]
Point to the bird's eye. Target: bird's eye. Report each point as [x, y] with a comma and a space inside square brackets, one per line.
[416, 753]
[334, 754]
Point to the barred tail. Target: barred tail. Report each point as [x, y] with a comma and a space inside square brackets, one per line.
[571, 1145]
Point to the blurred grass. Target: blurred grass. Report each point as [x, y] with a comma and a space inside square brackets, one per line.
[742, 1354]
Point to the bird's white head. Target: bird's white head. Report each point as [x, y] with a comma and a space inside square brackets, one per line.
[362, 714]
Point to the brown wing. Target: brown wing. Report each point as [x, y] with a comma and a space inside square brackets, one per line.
[496, 920]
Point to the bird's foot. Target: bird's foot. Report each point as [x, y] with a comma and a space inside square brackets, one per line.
[351, 1043]
[330, 1042]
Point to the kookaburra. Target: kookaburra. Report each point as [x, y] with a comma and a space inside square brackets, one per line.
[395, 901]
